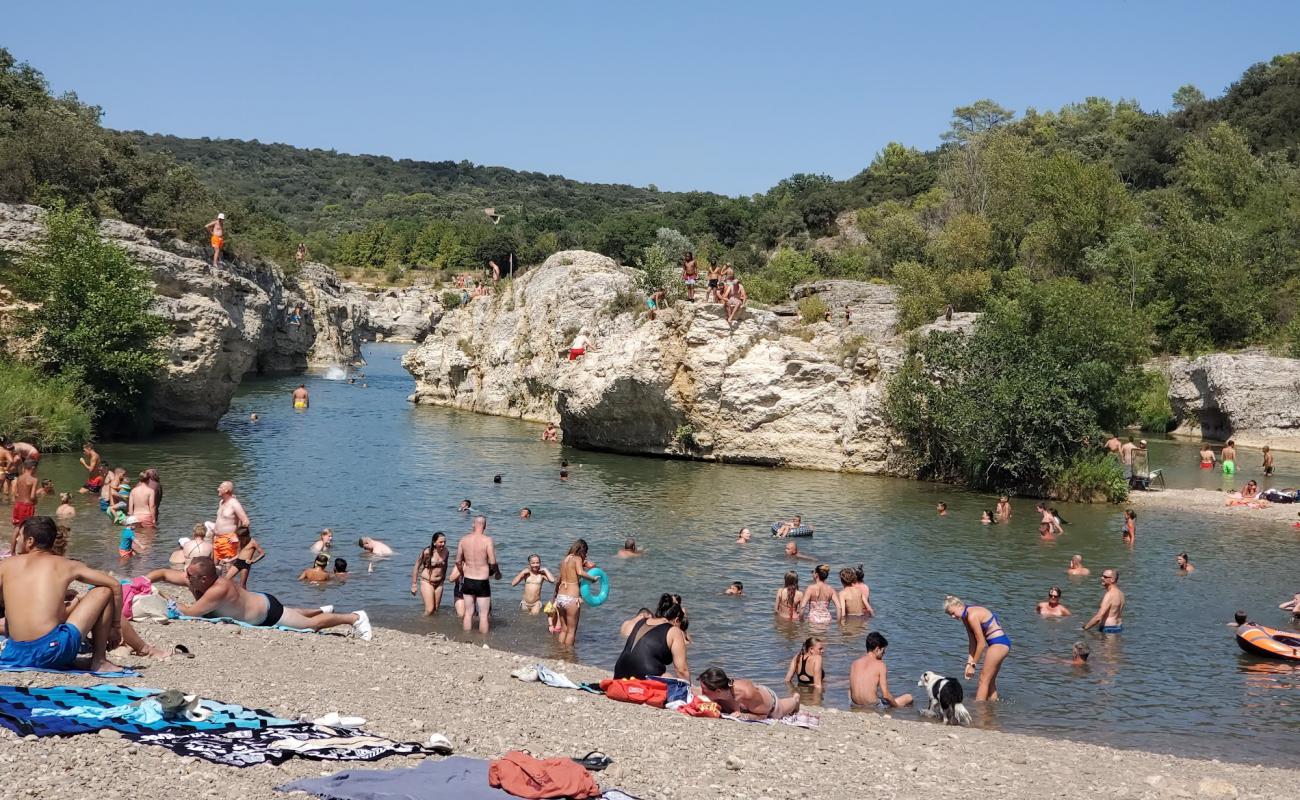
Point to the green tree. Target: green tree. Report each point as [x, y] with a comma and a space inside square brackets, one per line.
[94, 324]
[1018, 403]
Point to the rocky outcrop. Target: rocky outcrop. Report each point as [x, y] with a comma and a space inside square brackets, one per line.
[766, 390]
[401, 315]
[1251, 397]
[225, 322]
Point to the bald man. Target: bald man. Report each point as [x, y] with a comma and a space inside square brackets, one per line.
[230, 516]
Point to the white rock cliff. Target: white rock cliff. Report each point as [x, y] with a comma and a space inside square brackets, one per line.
[761, 391]
[225, 322]
[1252, 397]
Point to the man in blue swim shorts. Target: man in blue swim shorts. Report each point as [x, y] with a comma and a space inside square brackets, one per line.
[44, 631]
[1111, 613]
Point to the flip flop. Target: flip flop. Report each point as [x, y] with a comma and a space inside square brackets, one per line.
[595, 761]
[439, 744]
[182, 651]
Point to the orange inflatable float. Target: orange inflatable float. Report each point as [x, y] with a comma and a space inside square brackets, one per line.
[1269, 642]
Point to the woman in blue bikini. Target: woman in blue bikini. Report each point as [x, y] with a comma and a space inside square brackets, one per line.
[987, 638]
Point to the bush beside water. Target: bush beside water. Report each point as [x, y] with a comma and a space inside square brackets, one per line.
[45, 411]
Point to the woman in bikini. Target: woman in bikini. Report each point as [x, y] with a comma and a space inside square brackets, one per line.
[806, 666]
[744, 697]
[430, 572]
[855, 598]
[985, 637]
[568, 597]
[788, 597]
[819, 598]
[533, 576]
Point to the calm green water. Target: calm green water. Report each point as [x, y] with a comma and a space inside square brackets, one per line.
[364, 462]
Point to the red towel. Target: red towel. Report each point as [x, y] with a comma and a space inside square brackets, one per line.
[524, 776]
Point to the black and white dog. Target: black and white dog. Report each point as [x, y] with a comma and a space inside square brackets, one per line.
[945, 694]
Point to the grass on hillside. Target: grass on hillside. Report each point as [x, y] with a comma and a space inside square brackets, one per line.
[46, 412]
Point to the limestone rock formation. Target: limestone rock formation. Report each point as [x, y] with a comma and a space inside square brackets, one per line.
[402, 315]
[764, 390]
[225, 322]
[1249, 396]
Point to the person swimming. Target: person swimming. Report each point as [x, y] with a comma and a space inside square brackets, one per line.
[1052, 607]
[630, 550]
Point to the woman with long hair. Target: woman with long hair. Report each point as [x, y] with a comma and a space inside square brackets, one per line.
[568, 594]
[806, 666]
[430, 572]
[788, 597]
[820, 597]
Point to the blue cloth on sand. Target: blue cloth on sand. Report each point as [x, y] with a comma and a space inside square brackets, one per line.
[57, 649]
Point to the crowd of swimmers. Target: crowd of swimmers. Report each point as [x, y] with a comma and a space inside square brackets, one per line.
[47, 623]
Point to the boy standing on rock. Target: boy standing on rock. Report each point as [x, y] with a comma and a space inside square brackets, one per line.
[217, 231]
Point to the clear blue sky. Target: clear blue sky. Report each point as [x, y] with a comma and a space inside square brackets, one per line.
[724, 96]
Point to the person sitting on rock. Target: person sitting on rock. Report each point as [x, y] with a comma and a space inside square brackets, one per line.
[736, 299]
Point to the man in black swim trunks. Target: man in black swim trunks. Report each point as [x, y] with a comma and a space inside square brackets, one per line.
[476, 558]
[217, 596]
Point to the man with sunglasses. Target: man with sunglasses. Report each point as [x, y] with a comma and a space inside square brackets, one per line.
[1111, 613]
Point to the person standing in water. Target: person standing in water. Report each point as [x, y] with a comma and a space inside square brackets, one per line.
[26, 493]
[430, 572]
[300, 399]
[820, 597]
[568, 594]
[984, 637]
[139, 503]
[1228, 455]
[788, 597]
[534, 576]
[477, 558]
[230, 516]
[1130, 530]
[217, 236]
[1052, 607]
[854, 600]
[1268, 461]
[1002, 511]
[1111, 613]
[1207, 456]
[250, 552]
[90, 460]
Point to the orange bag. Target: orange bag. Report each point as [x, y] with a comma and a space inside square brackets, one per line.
[524, 776]
[636, 690]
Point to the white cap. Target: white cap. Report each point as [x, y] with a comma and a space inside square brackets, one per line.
[221, 215]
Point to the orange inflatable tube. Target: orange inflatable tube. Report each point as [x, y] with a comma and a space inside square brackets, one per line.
[1269, 642]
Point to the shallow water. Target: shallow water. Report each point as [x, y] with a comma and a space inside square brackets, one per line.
[365, 462]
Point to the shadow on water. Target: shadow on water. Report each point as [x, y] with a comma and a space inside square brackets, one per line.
[363, 461]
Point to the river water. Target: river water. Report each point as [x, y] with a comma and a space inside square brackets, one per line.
[365, 462]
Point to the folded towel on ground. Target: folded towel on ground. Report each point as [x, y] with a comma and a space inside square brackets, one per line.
[242, 624]
[119, 673]
[456, 777]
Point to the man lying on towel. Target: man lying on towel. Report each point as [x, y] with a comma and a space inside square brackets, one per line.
[43, 632]
[216, 596]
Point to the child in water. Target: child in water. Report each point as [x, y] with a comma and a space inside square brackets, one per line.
[250, 552]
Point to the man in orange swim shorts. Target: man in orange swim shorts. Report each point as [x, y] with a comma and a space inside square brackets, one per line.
[217, 230]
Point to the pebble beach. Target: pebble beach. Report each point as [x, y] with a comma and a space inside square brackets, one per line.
[409, 686]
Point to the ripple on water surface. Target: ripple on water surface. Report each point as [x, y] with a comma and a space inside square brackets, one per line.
[365, 462]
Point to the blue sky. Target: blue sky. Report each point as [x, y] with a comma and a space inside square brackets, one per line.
[723, 96]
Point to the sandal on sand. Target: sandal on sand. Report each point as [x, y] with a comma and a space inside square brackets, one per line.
[182, 651]
[595, 761]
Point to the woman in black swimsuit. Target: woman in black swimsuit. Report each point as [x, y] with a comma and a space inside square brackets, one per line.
[655, 642]
[806, 666]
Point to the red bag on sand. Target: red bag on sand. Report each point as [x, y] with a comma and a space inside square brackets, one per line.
[636, 690]
[524, 776]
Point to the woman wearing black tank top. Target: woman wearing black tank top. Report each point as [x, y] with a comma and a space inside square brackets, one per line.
[655, 642]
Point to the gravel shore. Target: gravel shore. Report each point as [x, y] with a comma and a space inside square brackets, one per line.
[409, 686]
[1207, 501]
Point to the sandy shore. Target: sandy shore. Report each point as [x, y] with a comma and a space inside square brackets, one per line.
[1207, 501]
[409, 686]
